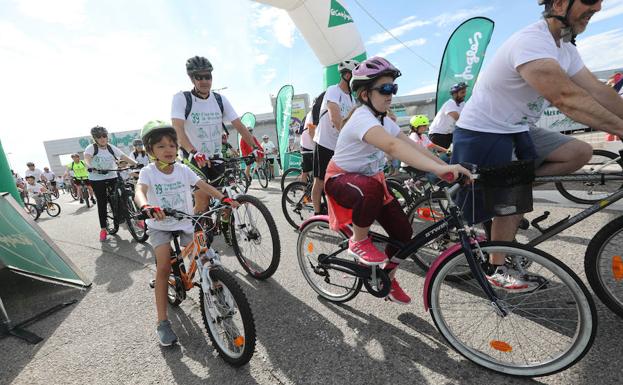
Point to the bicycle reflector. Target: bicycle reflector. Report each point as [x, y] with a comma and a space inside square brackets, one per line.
[239, 341]
[310, 247]
[617, 267]
[501, 346]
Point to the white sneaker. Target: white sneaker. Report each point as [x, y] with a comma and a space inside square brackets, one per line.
[512, 280]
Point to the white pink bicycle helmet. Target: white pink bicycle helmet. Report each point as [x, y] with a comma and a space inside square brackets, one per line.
[370, 69]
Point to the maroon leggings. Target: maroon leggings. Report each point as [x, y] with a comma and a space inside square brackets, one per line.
[365, 195]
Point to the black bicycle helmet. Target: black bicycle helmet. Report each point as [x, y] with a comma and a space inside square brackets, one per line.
[198, 63]
[98, 131]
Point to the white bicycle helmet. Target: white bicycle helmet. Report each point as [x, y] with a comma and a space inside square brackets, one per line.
[347, 65]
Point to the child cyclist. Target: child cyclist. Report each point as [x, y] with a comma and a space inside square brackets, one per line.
[419, 125]
[355, 183]
[167, 184]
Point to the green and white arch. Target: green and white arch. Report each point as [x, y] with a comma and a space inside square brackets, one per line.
[329, 30]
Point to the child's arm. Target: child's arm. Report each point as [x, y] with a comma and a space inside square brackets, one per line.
[437, 147]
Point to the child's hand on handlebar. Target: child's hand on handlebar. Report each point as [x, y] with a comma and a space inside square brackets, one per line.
[154, 212]
[451, 172]
[227, 201]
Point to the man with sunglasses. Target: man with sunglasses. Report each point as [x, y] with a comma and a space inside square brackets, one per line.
[200, 131]
[441, 129]
[534, 68]
[336, 105]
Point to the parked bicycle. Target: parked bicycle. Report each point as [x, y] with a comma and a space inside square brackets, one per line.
[120, 207]
[225, 310]
[533, 333]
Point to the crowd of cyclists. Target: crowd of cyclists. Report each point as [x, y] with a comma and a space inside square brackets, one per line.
[355, 135]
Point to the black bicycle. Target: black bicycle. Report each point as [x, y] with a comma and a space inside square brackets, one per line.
[120, 207]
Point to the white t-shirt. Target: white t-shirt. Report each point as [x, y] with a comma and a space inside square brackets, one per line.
[173, 191]
[49, 176]
[34, 189]
[140, 158]
[36, 173]
[502, 101]
[326, 135]
[352, 153]
[268, 148]
[103, 161]
[307, 141]
[424, 141]
[444, 123]
[204, 125]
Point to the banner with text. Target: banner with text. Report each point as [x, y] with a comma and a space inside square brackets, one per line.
[463, 57]
[283, 115]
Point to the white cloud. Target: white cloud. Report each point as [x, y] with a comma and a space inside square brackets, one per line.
[397, 31]
[424, 89]
[278, 21]
[610, 9]
[261, 58]
[67, 12]
[456, 16]
[592, 49]
[269, 75]
[397, 47]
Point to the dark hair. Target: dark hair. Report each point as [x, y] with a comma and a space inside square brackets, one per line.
[157, 137]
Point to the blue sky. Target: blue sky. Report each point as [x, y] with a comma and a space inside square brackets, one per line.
[68, 65]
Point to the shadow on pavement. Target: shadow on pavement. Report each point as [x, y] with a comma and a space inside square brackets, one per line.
[118, 280]
[24, 298]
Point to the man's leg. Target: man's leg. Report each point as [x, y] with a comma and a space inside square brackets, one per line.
[317, 193]
[567, 158]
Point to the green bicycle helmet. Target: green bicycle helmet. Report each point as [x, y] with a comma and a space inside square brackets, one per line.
[419, 120]
[156, 127]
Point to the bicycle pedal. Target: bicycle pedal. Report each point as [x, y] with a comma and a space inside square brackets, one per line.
[152, 283]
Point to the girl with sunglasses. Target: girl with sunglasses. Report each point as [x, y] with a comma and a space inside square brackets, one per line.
[354, 181]
[104, 156]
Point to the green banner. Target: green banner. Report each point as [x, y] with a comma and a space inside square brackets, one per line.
[26, 249]
[283, 116]
[338, 15]
[7, 183]
[248, 119]
[463, 57]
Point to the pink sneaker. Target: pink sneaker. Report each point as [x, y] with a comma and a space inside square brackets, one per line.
[396, 294]
[366, 252]
[103, 235]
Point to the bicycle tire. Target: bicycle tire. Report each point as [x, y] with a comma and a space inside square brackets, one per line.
[566, 189]
[112, 224]
[225, 300]
[32, 210]
[262, 178]
[52, 212]
[85, 193]
[296, 201]
[139, 234]
[399, 192]
[243, 181]
[603, 265]
[317, 238]
[498, 344]
[73, 192]
[247, 238]
[286, 173]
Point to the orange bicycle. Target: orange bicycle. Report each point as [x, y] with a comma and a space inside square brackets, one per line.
[224, 307]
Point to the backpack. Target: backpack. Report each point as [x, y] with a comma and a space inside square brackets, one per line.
[97, 148]
[189, 106]
[316, 109]
[72, 165]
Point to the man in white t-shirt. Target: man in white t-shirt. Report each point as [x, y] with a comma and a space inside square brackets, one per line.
[441, 129]
[38, 174]
[270, 150]
[536, 66]
[307, 146]
[336, 105]
[199, 129]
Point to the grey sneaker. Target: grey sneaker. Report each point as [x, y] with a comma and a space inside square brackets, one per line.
[165, 333]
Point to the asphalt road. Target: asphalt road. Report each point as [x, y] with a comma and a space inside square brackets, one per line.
[108, 337]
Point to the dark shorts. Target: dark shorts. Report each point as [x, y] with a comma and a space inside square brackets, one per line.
[322, 157]
[53, 183]
[77, 181]
[486, 149]
[307, 163]
[443, 140]
[271, 160]
[212, 173]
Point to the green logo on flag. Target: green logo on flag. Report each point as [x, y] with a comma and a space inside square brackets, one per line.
[338, 15]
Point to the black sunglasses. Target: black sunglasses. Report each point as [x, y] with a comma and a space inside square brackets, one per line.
[387, 89]
[102, 136]
[203, 77]
[589, 2]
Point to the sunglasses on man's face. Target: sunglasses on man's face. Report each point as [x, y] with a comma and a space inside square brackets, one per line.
[101, 136]
[590, 2]
[202, 77]
[387, 89]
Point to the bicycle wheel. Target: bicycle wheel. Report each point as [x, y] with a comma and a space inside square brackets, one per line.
[112, 225]
[288, 173]
[32, 210]
[85, 193]
[592, 192]
[603, 265]
[399, 192]
[137, 228]
[74, 192]
[228, 318]
[545, 330]
[317, 238]
[53, 209]
[55, 193]
[296, 203]
[255, 238]
[262, 178]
